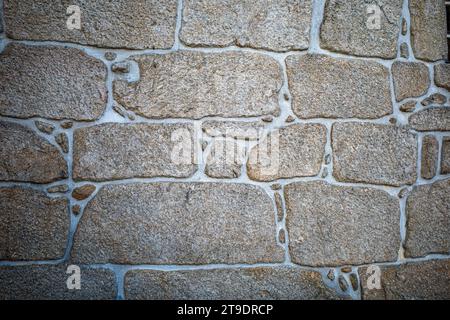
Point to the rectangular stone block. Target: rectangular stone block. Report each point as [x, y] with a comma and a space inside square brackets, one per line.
[431, 119]
[280, 25]
[262, 283]
[225, 159]
[49, 282]
[114, 151]
[234, 129]
[133, 24]
[373, 153]
[442, 75]
[445, 156]
[178, 223]
[334, 225]
[190, 84]
[430, 154]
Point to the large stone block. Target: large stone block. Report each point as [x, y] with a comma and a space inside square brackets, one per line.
[411, 79]
[431, 119]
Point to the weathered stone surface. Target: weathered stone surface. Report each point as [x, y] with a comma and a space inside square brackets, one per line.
[347, 28]
[195, 85]
[373, 153]
[435, 98]
[430, 154]
[26, 157]
[32, 226]
[274, 25]
[442, 75]
[178, 223]
[425, 280]
[294, 151]
[263, 283]
[326, 87]
[428, 220]
[44, 127]
[404, 50]
[83, 192]
[51, 82]
[428, 29]
[63, 141]
[49, 282]
[225, 159]
[431, 119]
[133, 24]
[409, 106]
[118, 151]
[445, 156]
[62, 188]
[411, 79]
[234, 129]
[335, 225]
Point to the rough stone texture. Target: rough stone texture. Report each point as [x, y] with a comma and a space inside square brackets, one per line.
[51, 82]
[435, 98]
[410, 79]
[234, 129]
[26, 157]
[195, 85]
[409, 106]
[32, 226]
[335, 225]
[430, 154]
[262, 283]
[428, 29]
[428, 220]
[345, 28]
[268, 24]
[44, 127]
[117, 151]
[83, 192]
[178, 223]
[373, 153]
[326, 87]
[62, 188]
[48, 282]
[225, 159]
[431, 119]
[442, 75]
[133, 24]
[404, 50]
[63, 141]
[294, 151]
[424, 280]
[445, 156]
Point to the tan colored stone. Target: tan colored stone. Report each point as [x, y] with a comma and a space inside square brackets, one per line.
[83, 192]
[63, 141]
[428, 220]
[278, 25]
[178, 223]
[49, 282]
[409, 106]
[51, 82]
[442, 75]
[114, 151]
[336, 225]
[44, 127]
[32, 226]
[411, 79]
[373, 153]
[428, 29]
[62, 188]
[262, 283]
[346, 28]
[234, 129]
[191, 84]
[424, 280]
[133, 24]
[404, 50]
[431, 119]
[326, 87]
[445, 156]
[435, 98]
[294, 151]
[26, 157]
[430, 154]
[225, 159]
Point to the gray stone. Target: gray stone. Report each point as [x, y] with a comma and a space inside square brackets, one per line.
[430, 154]
[234, 129]
[294, 151]
[63, 141]
[428, 29]
[67, 124]
[191, 84]
[335, 225]
[51, 82]
[431, 119]
[442, 75]
[44, 127]
[62, 188]
[404, 50]
[428, 220]
[133, 24]
[261, 283]
[435, 98]
[279, 206]
[326, 87]
[373, 153]
[27, 157]
[411, 79]
[278, 25]
[178, 223]
[445, 156]
[225, 159]
[424, 280]
[114, 151]
[33, 226]
[409, 106]
[347, 28]
[49, 282]
[83, 192]
[342, 283]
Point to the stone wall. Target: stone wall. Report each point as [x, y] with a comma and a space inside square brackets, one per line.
[90, 120]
